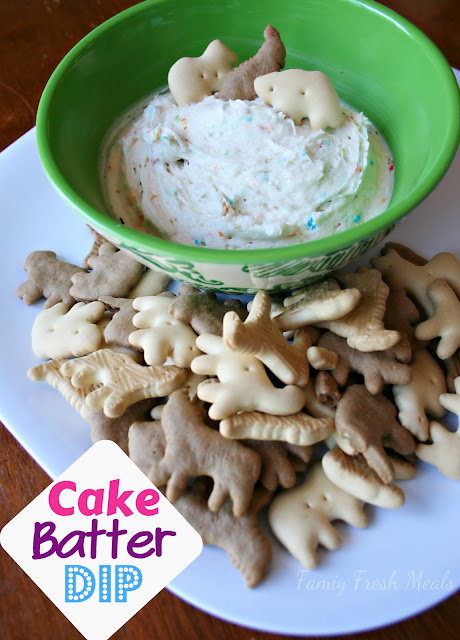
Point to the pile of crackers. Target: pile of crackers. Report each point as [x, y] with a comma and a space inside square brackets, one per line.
[312, 405]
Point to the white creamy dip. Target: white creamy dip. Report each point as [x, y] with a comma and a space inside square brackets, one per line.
[238, 174]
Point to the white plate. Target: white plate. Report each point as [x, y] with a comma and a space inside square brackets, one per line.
[409, 557]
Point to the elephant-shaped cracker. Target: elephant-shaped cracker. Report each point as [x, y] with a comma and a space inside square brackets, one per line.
[122, 381]
[301, 94]
[49, 278]
[192, 79]
[114, 273]
[258, 335]
[160, 335]
[239, 83]
[301, 517]
[369, 424]
[243, 384]
[193, 449]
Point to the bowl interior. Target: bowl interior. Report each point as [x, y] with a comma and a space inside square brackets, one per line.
[378, 63]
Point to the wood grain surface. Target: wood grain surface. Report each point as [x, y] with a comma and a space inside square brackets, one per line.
[34, 36]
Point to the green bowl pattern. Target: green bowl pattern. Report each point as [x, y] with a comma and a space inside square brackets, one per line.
[378, 62]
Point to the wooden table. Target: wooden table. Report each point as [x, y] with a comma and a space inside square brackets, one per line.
[34, 36]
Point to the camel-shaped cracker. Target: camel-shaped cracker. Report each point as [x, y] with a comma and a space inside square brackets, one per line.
[51, 373]
[441, 305]
[299, 428]
[369, 424]
[318, 302]
[160, 335]
[243, 384]
[421, 395]
[301, 518]
[354, 475]
[378, 368]
[122, 381]
[301, 94]
[242, 538]
[444, 453]
[114, 273]
[193, 449]
[239, 83]
[47, 277]
[202, 311]
[258, 335]
[60, 332]
[192, 79]
[363, 326]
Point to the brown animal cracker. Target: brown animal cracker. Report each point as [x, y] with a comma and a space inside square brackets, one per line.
[193, 449]
[243, 384]
[353, 475]
[121, 381]
[326, 389]
[300, 428]
[401, 314]
[313, 406]
[453, 370]
[98, 241]
[239, 83]
[121, 324]
[369, 424]
[116, 429]
[378, 368]
[49, 278]
[242, 538]
[277, 467]
[421, 395]
[318, 302]
[363, 327]
[301, 517]
[258, 335]
[146, 443]
[114, 273]
[202, 311]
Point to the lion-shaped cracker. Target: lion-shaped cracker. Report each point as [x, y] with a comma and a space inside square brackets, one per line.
[121, 381]
[160, 335]
[114, 273]
[239, 83]
[243, 384]
[369, 424]
[242, 538]
[301, 518]
[301, 94]
[353, 475]
[60, 332]
[202, 311]
[49, 278]
[258, 335]
[444, 453]
[421, 395]
[193, 449]
[192, 79]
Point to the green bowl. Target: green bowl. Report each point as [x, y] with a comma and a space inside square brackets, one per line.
[378, 62]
